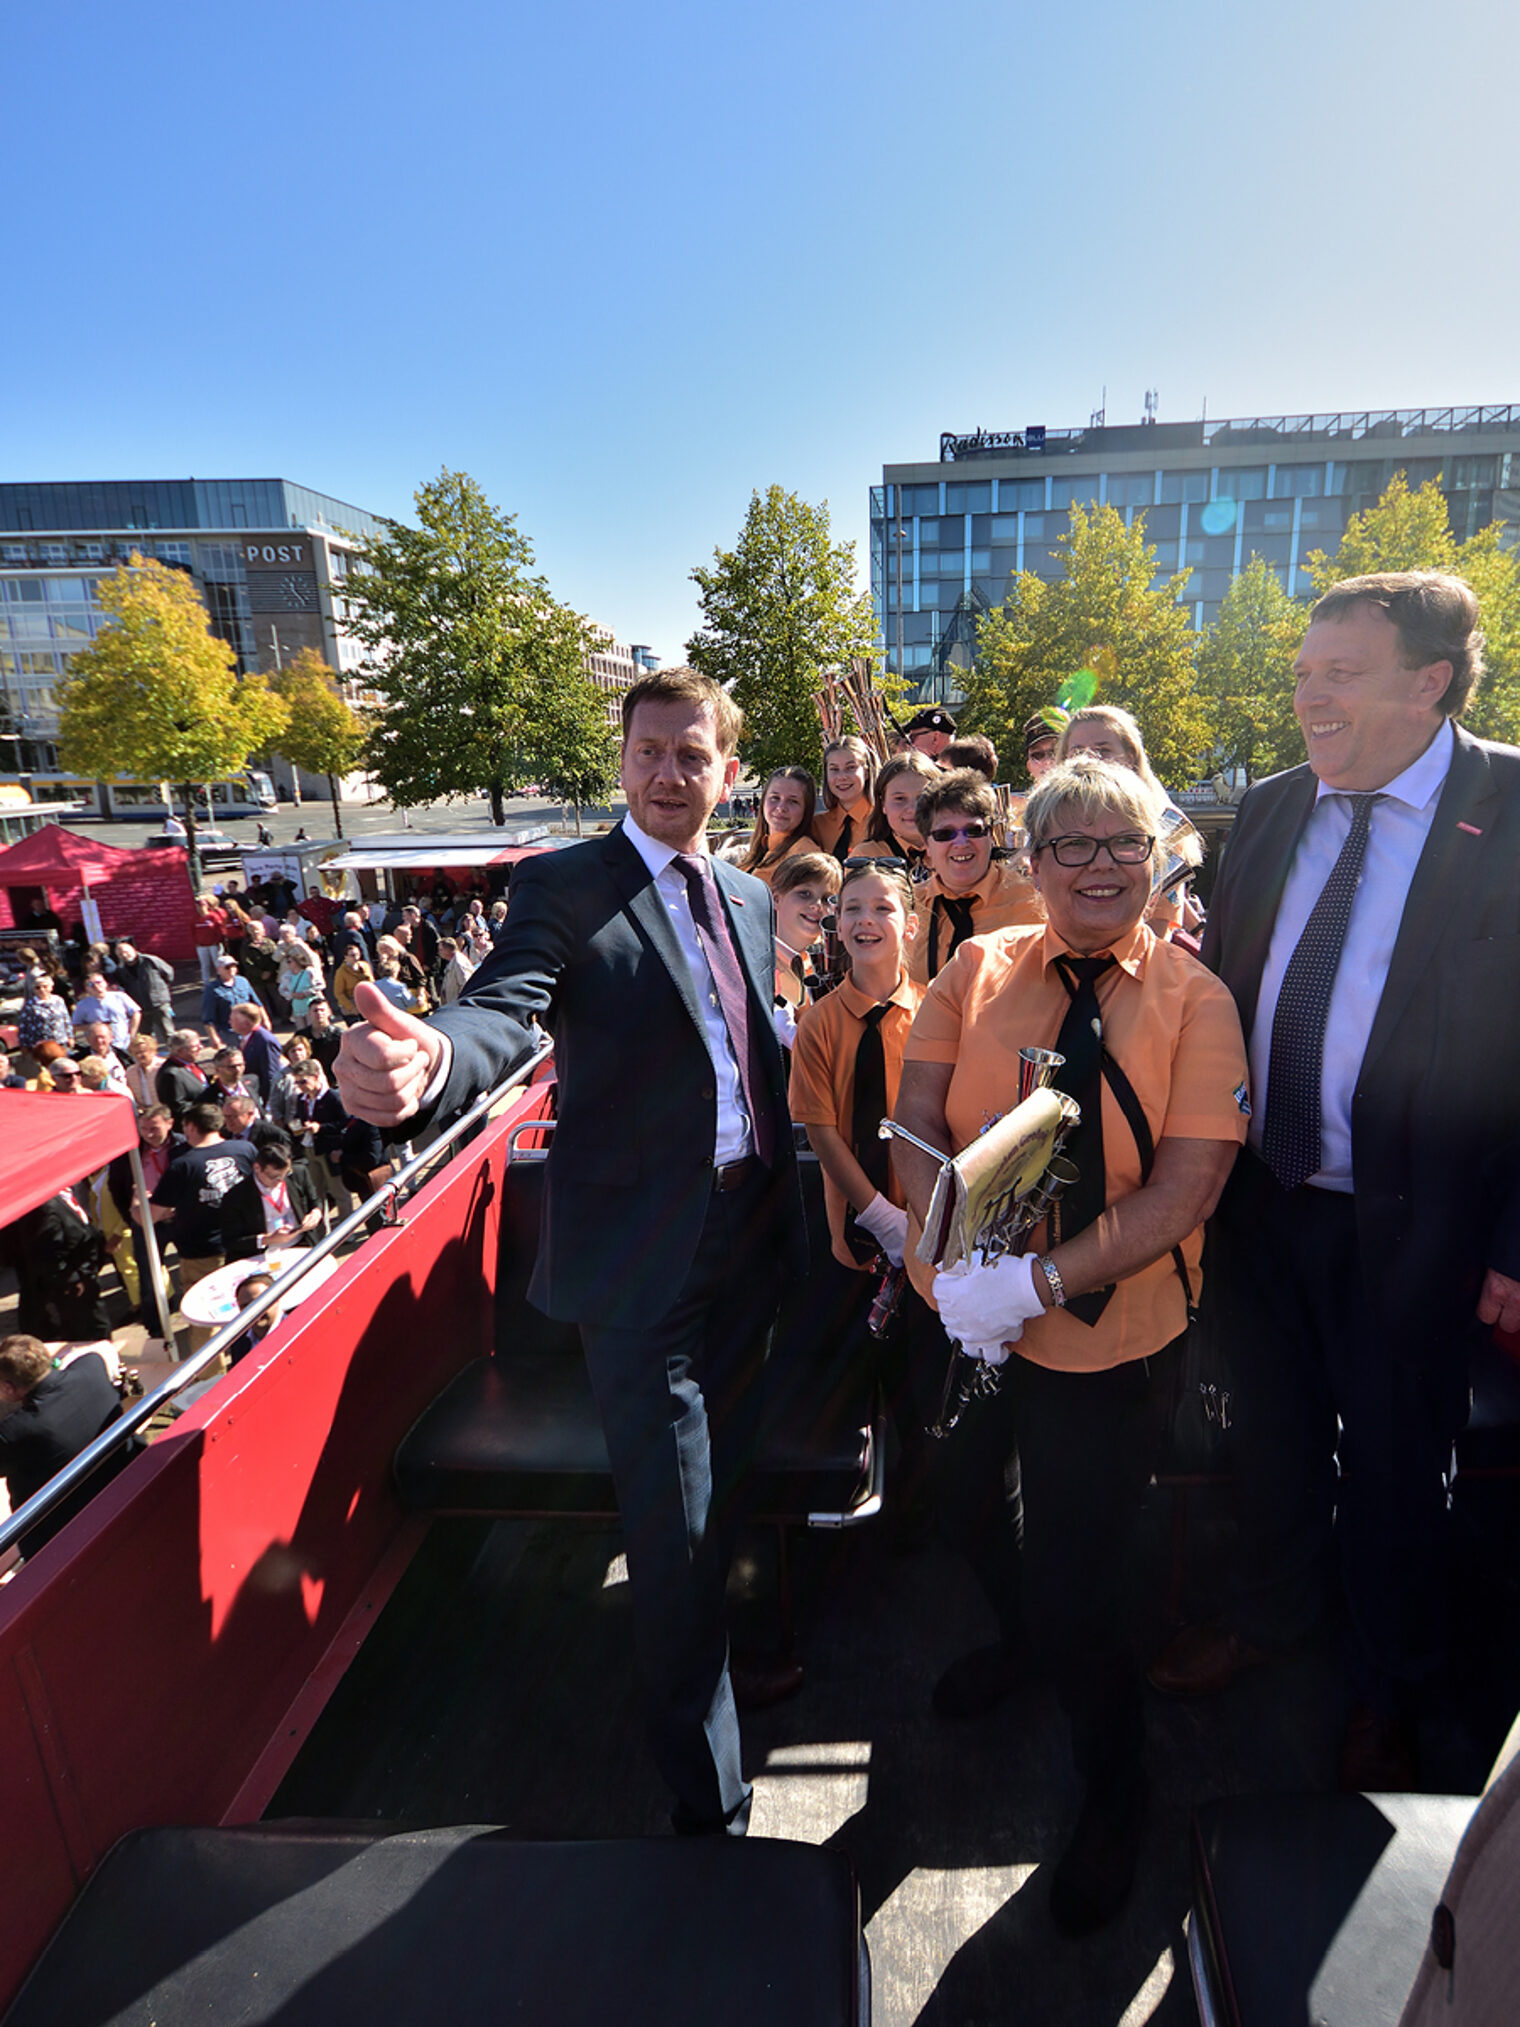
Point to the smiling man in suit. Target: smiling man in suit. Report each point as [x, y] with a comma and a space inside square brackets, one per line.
[671, 1210]
[1367, 919]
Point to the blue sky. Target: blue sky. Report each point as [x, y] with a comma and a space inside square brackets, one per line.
[625, 265]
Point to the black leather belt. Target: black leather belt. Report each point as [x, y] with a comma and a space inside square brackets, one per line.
[733, 1174]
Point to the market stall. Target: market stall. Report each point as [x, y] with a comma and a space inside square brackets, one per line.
[138, 893]
[49, 1141]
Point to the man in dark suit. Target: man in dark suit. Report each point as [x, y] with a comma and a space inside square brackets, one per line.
[671, 1212]
[1367, 919]
[274, 1207]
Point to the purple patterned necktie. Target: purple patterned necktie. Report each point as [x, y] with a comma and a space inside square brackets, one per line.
[733, 999]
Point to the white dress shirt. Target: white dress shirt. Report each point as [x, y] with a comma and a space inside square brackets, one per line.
[734, 1141]
[733, 1136]
[1400, 825]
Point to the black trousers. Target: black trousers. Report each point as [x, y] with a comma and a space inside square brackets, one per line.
[1342, 1436]
[680, 1405]
[1039, 1487]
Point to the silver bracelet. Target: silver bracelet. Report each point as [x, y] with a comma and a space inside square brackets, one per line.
[1053, 1279]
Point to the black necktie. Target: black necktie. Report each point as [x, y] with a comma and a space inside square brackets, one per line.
[1290, 1134]
[958, 915]
[1081, 1077]
[868, 1109]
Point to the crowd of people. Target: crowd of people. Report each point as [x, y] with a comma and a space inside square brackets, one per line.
[244, 1141]
[1284, 1077]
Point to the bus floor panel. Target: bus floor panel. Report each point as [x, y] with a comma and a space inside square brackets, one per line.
[497, 1688]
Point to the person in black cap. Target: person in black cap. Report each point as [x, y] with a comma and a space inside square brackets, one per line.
[1040, 740]
[930, 731]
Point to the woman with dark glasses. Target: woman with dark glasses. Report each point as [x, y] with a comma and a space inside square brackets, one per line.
[968, 891]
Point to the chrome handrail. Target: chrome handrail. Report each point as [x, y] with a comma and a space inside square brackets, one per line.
[140, 1412]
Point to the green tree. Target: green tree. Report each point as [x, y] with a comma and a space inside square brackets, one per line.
[458, 630]
[572, 749]
[323, 734]
[1412, 531]
[1103, 619]
[157, 697]
[777, 609]
[1245, 672]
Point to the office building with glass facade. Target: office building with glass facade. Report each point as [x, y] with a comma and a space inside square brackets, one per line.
[947, 537]
[269, 558]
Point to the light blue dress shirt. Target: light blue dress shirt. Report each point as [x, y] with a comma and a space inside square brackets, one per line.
[1400, 825]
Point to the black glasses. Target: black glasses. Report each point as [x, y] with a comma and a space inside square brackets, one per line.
[1130, 848]
[949, 834]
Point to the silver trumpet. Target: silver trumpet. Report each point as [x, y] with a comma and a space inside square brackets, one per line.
[1003, 1228]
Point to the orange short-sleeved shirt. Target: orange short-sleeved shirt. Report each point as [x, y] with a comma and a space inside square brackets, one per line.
[822, 1088]
[1001, 899]
[830, 823]
[798, 844]
[1172, 1028]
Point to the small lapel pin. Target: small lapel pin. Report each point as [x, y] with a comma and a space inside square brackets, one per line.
[1471, 829]
[734, 901]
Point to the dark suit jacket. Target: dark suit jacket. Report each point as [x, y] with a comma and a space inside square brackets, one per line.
[179, 1088]
[589, 950]
[1435, 1120]
[243, 1214]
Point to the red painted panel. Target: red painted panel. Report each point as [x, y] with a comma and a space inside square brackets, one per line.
[151, 1652]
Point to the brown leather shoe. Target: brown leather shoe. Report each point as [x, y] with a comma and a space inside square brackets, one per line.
[1379, 1755]
[1202, 1660]
[763, 1679]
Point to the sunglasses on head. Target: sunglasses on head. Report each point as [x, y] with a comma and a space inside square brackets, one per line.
[949, 834]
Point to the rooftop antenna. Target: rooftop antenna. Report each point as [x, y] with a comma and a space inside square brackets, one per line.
[1152, 403]
[1100, 414]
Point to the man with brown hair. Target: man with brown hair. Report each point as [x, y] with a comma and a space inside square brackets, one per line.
[671, 1214]
[58, 1410]
[1367, 920]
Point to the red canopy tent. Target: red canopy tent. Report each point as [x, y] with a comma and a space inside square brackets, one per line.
[141, 894]
[49, 1140]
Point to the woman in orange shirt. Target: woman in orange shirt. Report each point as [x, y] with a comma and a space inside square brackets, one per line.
[1085, 1327]
[893, 831]
[785, 822]
[849, 777]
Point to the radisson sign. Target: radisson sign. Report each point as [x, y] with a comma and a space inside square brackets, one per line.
[986, 442]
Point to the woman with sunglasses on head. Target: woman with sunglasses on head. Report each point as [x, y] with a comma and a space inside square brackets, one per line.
[803, 890]
[849, 777]
[968, 891]
[785, 823]
[1108, 733]
[1040, 1484]
[893, 830]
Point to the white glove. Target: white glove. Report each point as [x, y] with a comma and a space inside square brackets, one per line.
[887, 1225]
[984, 1308]
[784, 1021]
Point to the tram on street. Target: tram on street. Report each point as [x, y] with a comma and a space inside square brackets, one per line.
[248, 793]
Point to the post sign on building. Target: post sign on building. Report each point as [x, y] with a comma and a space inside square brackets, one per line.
[281, 573]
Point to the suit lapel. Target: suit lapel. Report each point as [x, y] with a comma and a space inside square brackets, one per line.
[1445, 872]
[1259, 876]
[646, 905]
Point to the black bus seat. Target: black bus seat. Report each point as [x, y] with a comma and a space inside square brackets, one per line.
[322, 1925]
[1316, 1907]
[518, 1434]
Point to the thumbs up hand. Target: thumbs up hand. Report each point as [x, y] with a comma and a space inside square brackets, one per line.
[387, 1062]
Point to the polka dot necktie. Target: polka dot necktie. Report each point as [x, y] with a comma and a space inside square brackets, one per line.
[1080, 1076]
[1290, 1139]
